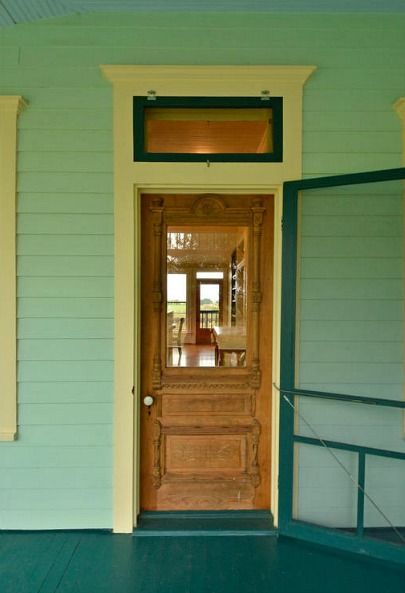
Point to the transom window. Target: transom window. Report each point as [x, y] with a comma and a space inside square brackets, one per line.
[213, 129]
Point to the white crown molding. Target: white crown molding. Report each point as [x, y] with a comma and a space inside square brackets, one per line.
[166, 79]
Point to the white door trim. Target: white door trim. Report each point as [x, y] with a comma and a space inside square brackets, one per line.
[133, 178]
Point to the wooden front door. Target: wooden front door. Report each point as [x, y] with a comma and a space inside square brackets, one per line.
[205, 440]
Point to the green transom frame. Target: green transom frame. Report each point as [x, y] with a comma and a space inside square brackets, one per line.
[247, 110]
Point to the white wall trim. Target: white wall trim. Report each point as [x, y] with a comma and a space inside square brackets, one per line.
[399, 107]
[131, 178]
[10, 107]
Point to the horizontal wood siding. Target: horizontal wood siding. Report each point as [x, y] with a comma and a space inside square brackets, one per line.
[59, 471]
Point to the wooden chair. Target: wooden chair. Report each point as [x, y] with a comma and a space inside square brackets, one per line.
[175, 341]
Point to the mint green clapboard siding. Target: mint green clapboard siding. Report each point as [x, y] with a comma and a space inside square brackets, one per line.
[65, 328]
[65, 225]
[65, 349]
[95, 245]
[67, 392]
[36, 456]
[78, 203]
[73, 162]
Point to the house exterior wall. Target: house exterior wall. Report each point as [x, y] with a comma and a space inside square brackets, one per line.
[59, 471]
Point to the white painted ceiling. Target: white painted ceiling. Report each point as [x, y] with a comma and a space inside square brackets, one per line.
[20, 11]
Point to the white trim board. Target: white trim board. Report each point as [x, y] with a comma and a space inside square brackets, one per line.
[10, 107]
[133, 178]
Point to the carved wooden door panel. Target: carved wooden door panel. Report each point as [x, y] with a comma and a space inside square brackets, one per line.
[205, 440]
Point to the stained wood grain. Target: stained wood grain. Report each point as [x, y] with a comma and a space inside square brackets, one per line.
[205, 442]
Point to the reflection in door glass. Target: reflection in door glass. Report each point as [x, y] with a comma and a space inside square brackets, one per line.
[206, 301]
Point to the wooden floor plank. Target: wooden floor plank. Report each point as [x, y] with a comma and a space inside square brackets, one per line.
[61, 563]
[99, 562]
[26, 559]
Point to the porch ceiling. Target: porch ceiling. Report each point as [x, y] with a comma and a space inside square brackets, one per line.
[20, 11]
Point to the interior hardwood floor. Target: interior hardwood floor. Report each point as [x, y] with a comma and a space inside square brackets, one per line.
[194, 355]
[99, 562]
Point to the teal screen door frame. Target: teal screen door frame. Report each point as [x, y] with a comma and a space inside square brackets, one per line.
[348, 460]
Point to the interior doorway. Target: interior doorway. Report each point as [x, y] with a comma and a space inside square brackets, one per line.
[209, 307]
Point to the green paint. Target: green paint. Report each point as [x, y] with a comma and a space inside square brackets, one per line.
[364, 350]
[382, 331]
[65, 328]
[65, 349]
[76, 307]
[82, 370]
[45, 457]
[205, 523]
[65, 224]
[66, 392]
[65, 435]
[140, 104]
[354, 247]
[79, 203]
[77, 477]
[58, 182]
[92, 245]
[353, 448]
[65, 207]
[97, 562]
[80, 161]
[45, 139]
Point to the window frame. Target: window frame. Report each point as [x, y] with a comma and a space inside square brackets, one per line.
[150, 102]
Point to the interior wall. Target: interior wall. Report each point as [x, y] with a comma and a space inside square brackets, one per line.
[59, 471]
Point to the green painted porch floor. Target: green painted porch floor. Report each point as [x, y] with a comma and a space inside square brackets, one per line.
[99, 562]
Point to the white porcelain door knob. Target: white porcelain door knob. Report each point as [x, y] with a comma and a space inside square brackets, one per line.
[148, 400]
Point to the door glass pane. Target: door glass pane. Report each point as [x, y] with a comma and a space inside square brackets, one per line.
[207, 303]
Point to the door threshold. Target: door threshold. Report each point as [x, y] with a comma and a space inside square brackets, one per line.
[205, 523]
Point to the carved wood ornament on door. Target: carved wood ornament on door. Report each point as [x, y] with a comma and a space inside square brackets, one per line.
[204, 434]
